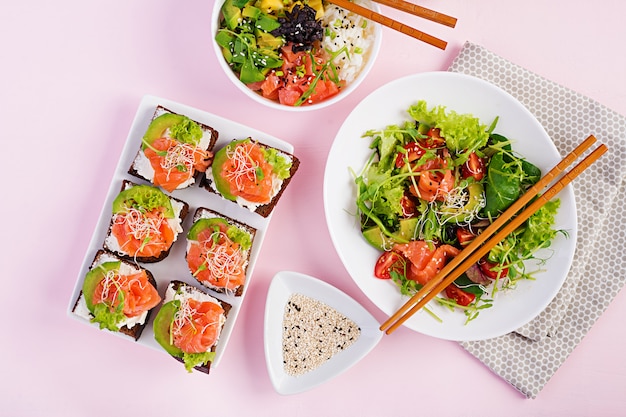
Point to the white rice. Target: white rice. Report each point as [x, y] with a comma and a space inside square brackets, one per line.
[352, 31]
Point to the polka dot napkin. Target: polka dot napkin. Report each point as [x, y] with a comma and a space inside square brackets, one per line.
[529, 357]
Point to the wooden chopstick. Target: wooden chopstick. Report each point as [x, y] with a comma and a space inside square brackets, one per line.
[476, 250]
[420, 11]
[393, 24]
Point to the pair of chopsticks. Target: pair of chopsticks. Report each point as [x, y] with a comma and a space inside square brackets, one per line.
[394, 24]
[506, 223]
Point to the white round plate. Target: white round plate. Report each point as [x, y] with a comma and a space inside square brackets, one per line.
[464, 94]
[286, 283]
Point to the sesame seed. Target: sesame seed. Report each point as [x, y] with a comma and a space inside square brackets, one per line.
[320, 330]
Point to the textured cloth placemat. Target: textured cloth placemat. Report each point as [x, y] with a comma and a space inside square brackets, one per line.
[529, 357]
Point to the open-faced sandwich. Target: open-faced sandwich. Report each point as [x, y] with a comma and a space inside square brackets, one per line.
[118, 295]
[145, 223]
[189, 324]
[174, 150]
[252, 174]
[218, 251]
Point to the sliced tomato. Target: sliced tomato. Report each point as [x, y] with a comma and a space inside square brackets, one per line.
[433, 139]
[387, 262]
[473, 167]
[491, 269]
[408, 206]
[412, 152]
[462, 298]
[464, 236]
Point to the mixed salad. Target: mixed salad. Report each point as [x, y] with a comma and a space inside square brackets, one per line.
[430, 187]
[296, 52]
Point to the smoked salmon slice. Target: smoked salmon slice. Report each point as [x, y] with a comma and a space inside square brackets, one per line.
[135, 291]
[216, 260]
[248, 174]
[196, 326]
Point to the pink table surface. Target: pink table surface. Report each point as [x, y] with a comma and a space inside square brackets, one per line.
[72, 75]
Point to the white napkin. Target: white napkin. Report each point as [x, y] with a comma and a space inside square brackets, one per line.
[529, 357]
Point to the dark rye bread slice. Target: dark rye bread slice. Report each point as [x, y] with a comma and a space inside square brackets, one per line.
[208, 130]
[176, 285]
[145, 259]
[265, 209]
[101, 256]
[203, 212]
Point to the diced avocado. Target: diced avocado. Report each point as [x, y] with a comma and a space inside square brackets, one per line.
[203, 224]
[220, 158]
[93, 278]
[161, 327]
[232, 14]
[267, 40]
[267, 23]
[375, 237]
[158, 126]
[464, 214]
[251, 12]
[407, 228]
[144, 198]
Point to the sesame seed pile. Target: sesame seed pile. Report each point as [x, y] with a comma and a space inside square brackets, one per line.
[313, 332]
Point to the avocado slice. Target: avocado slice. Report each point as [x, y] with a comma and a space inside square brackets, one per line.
[220, 158]
[143, 198]
[460, 215]
[158, 126]
[203, 224]
[161, 327]
[375, 237]
[267, 40]
[93, 278]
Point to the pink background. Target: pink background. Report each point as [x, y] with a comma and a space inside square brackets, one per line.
[72, 75]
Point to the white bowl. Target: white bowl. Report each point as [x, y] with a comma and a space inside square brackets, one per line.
[369, 62]
[283, 286]
[349, 152]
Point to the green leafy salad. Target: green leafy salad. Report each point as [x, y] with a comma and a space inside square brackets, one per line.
[431, 185]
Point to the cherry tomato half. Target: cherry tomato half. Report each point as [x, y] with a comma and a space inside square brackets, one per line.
[473, 167]
[492, 270]
[462, 298]
[387, 262]
[464, 236]
[412, 152]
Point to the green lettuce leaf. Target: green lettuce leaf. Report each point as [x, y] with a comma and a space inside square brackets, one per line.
[463, 132]
[192, 360]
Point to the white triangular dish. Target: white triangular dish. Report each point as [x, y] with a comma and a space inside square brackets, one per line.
[282, 287]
